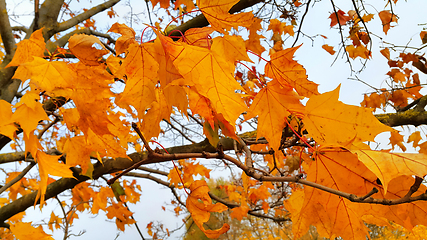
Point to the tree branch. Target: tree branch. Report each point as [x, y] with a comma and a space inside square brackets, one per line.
[200, 20]
[85, 15]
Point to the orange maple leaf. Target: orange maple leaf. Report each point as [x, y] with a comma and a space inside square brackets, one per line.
[123, 42]
[217, 84]
[330, 121]
[46, 75]
[199, 36]
[273, 104]
[288, 72]
[335, 216]
[82, 46]
[28, 48]
[49, 165]
[29, 111]
[163, 3]
[231, 47]
[25, 231]
[329, 49]
[387, 18]
[253, 42]
[359, 51]
[200, 206]
[386, 53]
[216, 12]
[188, 4]
[415, 137]
[7, 126]
[140, 69]
[240, 212]
[342, 18]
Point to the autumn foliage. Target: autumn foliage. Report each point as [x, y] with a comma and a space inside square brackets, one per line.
[88, 113]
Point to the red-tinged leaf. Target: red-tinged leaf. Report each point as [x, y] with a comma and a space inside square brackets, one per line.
[288, 72]
[85, 48]
[127, 38]
[29, 48]
[330, 121]
[342, 18]
[199, 36]
[25, 231]
[273, 104]
[329, 49]
[200, 206]
[387, 18]
[216, 12]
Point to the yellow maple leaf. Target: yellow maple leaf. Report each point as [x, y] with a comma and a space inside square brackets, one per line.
[253, 43]
[217, 84]
[359, 51]
[49, 165]
[7, 126]
[25, 231]
[158, 111]
[29, 112]
[200, 206]
[273, 104]
[140, 68]
[216, 12]
[231, 47]
[46, 75]
[397, 139]
[29, 48]
[388, 166]
[330, 121]
[78, 153]
[287, 71]
[415, 137]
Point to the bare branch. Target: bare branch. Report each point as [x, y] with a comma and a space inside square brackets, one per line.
[86, 15]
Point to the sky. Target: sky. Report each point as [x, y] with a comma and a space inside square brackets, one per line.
[316, 61]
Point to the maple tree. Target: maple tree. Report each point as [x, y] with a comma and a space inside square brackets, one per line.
[87, 108]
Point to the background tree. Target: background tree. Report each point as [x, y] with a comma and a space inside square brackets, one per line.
[82, 105]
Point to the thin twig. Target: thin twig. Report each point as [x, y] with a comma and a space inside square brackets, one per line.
[17, 178]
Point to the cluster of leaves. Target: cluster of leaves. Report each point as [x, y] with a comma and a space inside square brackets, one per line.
[316, 168]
